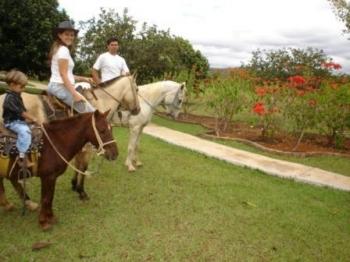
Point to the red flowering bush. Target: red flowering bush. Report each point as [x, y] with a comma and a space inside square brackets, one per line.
[332, 66]
[300, 110]
[266, 106]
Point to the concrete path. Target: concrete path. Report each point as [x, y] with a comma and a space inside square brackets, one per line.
[238, 157]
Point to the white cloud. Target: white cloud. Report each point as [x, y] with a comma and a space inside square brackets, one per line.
[227, 31]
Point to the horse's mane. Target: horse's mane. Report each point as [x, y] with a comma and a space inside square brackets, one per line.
[148, 87]
[63, 123]
[111, 81]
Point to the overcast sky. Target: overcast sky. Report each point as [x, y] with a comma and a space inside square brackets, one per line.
[227, 31]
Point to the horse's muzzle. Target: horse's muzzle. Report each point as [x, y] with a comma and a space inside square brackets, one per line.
[111, 153]
[135, 111]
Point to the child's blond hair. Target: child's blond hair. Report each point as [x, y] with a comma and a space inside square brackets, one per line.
[16, 77]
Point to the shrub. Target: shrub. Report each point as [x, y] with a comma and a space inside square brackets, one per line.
[227, 97]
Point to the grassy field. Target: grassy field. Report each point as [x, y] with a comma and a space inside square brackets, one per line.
[339, 165]
[182, 206]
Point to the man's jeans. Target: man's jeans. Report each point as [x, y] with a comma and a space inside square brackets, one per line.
[61, 92]
[24, 134]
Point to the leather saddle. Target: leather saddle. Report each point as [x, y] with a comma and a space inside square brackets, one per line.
[8, 141]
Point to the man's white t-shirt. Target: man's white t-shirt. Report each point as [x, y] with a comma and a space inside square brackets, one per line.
[62, 53]
[111, 66]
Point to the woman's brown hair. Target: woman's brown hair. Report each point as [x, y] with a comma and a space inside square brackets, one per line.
[55, 45]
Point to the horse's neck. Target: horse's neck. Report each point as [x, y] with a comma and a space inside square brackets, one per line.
[155, 94]
[111, 101]
[70, 132]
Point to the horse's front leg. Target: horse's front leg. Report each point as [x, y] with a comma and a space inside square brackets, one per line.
[30, 205]
[133, 137]
[81, 163]
[136, 159]
[46, 217]
[3, 200]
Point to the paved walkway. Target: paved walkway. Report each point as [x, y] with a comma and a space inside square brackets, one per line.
[238, 157]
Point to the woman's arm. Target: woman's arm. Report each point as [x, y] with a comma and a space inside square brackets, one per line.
[83, 79]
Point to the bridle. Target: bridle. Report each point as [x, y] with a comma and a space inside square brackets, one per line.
[100, 142]
[174, 103]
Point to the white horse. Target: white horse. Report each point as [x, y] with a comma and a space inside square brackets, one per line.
[169, 93]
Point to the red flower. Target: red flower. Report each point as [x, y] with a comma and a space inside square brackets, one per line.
[300, 92]
[334, 86]
[312, 102]
[260, 91]
[297, 80]
[332, 65]
[259, 109]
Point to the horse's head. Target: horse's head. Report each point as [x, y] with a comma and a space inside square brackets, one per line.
[102, 136]
[130, 100]
[174, 99]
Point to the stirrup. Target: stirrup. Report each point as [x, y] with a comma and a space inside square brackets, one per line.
[25, 163]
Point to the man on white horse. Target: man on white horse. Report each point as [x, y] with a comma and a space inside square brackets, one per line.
[109, 64]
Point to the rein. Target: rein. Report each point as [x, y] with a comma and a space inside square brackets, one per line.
[98, 138]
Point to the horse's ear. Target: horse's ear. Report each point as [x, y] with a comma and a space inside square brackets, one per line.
[183, 84]
[134, 75]
[105, 114]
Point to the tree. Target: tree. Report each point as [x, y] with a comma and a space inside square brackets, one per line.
[150, 52]
[97, 31]
[342, 9]
[284, 63]
[26, 34]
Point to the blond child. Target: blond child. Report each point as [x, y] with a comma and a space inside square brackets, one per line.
[15, 114]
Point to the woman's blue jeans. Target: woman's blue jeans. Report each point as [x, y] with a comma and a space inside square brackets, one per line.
[61, 92]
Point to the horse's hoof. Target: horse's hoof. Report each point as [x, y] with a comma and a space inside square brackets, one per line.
[31, 206]
[9, 207]
[131, 169]
[74, 185]
[46, 226]
[53, 220]
[84, 197]
[138, 164]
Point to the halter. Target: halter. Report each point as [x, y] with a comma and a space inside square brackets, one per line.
[101, 144]
[100, 149]
[174, 103]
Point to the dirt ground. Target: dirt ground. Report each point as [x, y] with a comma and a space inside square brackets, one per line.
[281, 142]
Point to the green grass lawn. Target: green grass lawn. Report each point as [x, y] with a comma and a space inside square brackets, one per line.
[336, 164]
[182, 206]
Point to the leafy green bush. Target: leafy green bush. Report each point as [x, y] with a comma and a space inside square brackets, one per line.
[227, 97]
[334, 112]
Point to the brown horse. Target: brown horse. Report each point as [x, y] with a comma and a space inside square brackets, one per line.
[115, 93]
[66, 138]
